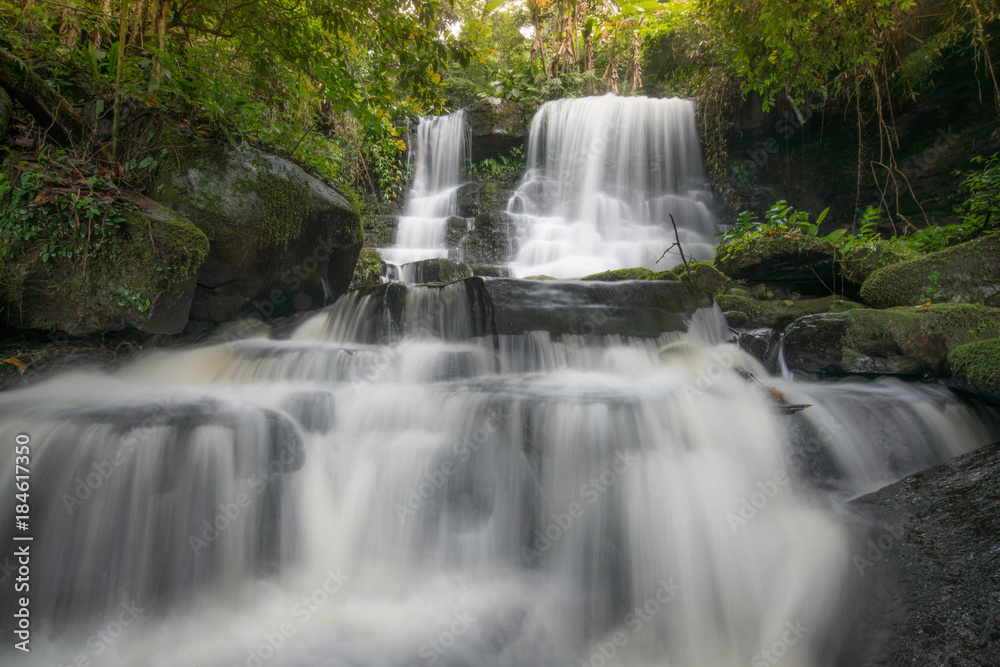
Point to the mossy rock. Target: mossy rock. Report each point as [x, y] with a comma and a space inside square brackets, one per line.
[780, 257]
[966, 273]
[636, 273]
[282, 240]
[144, 281]
[438, 270]
[704, 275]
[780, 313]
[380, 230]
[540, 276]
[496, 126]
[370, 269]
[489, 240]
[862, 262]
[976, 367]
[900, 341]
[481, 198]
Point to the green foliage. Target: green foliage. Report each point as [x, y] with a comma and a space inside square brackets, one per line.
[504, 168]
[781, 218]
[67, 205]
[981, 208]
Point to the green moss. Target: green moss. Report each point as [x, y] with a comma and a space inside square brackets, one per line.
[969, 273]
[781, 313]
[918, 328]
[704, 275]
[637, 273]
[978, 363]
[861, 262]
[539, 277]
[286, 204]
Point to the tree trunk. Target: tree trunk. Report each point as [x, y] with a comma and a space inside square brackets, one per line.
[47, 106]
[6, 111]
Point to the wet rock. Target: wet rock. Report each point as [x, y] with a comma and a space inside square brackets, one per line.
[704, 275]
[489, 240]
[380, 230]
[761, 343]
[490, 271]
[636, 273]
[975, 368]
[736, 319]
[456, 229]
[902, 341]
[806, 261]
[486, 197]
[496, 126]
[927, 567]
[966, 273]
[438, 270]
[781, 313]
[281, 240]
[641, 308]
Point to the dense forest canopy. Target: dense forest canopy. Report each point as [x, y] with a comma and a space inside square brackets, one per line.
[331, 83]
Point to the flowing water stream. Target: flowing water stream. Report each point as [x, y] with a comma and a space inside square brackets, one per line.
[442, 147]
[489, 473]
[604, 176]
[424, 476]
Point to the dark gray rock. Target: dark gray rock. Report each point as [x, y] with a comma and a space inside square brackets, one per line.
[489, 240]
[641, 308]
[496, 126]
[435, 271]
[926, 564]
[281, 240]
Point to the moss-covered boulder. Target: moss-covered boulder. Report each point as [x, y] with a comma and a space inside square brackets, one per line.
[976, 368]
[439, 270]
[636, 273]
[779, 313]
[281, 240]
[966, 273]
[496, 126]
[857, 265]
[901, 341]
[145, 282]
[780, 257]
[704, 275]
[380, 230]
[489, 240]
[482, 198]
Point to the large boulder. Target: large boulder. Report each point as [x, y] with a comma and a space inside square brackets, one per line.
[966, 273]
[439, 270]
[779, 313]
[281, 240]
[489, 241]
[975, 368]
[496, 126]
[927, 568]
[806, 261]
[902, 341]
[145, 282]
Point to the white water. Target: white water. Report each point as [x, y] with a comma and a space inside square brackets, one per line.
[465, 500]
[441, 149]
[604, 174]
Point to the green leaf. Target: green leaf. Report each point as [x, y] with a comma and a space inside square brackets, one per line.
[822, 215]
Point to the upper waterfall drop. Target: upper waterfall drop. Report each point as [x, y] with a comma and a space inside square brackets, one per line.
[604, 174]
[442, 147]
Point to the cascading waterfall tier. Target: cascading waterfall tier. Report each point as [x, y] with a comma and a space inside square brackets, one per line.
[442, 147]
[443, 475]
[604, 175]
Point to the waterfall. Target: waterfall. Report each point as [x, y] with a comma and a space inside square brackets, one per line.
[604, 175]
[453, 475]
[441, 150]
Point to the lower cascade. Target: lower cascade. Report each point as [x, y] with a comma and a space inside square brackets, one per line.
[484, 473]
